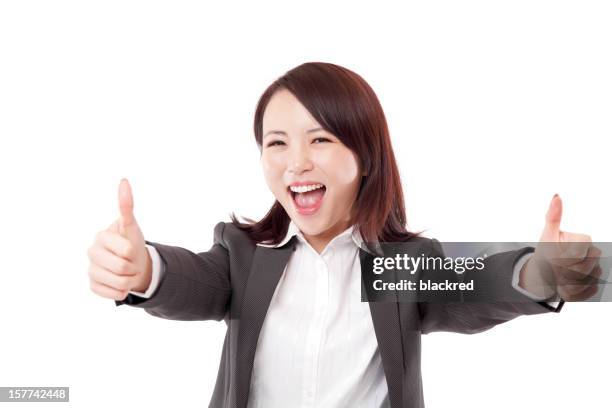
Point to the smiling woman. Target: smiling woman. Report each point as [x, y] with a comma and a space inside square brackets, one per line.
[327, 157]
[289, 285]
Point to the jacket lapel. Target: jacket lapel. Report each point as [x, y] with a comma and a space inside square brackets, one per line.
[266, 270]
[385, 316]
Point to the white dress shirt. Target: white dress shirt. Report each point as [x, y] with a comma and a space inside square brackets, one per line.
[317, 346]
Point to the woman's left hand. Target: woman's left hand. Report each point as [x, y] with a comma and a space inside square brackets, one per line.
[563, 263]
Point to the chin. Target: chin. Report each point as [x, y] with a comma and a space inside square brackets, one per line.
[309, 224]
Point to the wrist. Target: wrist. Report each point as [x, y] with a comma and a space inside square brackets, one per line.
[536, 278]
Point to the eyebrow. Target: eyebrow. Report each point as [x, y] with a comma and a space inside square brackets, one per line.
[282, 132]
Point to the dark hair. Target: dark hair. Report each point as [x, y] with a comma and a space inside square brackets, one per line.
[345, 105]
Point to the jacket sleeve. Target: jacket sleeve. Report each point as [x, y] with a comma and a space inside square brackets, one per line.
[194, 286]
[470, 315]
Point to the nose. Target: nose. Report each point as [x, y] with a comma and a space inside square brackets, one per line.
[299, 160]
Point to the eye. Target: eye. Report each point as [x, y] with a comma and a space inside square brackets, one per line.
[275, 143]
[321, 140]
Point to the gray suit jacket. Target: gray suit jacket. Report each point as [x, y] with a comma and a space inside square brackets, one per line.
[235, 281]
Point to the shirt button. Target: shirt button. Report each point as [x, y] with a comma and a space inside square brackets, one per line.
[320, 265]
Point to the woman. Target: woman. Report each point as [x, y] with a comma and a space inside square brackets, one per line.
[288, 286]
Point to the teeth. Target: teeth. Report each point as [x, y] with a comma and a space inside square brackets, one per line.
[303, 189]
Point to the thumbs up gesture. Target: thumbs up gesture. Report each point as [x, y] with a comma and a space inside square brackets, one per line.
[119, 260]
[564, 263]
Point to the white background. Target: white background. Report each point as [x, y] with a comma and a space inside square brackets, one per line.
[493, 107]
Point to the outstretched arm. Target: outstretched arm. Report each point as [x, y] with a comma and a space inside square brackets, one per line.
[479, 314]
[193, 286]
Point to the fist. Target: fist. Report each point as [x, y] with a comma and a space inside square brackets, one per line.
[119, 260]
[564, 263]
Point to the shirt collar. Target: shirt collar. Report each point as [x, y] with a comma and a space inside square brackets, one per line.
[348, 235]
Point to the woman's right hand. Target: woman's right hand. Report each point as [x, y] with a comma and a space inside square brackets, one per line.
[119, 260]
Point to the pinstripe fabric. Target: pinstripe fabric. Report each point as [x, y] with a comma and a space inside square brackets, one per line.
[235, 279]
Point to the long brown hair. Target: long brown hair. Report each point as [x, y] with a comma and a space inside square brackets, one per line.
[345, 105]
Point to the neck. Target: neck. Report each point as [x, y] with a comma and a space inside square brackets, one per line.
[319, 242]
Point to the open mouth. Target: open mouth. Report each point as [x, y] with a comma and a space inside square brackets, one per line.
[307, 199]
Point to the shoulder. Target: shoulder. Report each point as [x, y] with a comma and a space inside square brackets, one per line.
[430, 246]
[231, 237]
[418, 244]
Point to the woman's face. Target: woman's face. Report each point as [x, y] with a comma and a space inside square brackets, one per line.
[310, 172]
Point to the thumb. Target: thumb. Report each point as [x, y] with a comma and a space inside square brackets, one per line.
[552, 226]
[126, 205]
